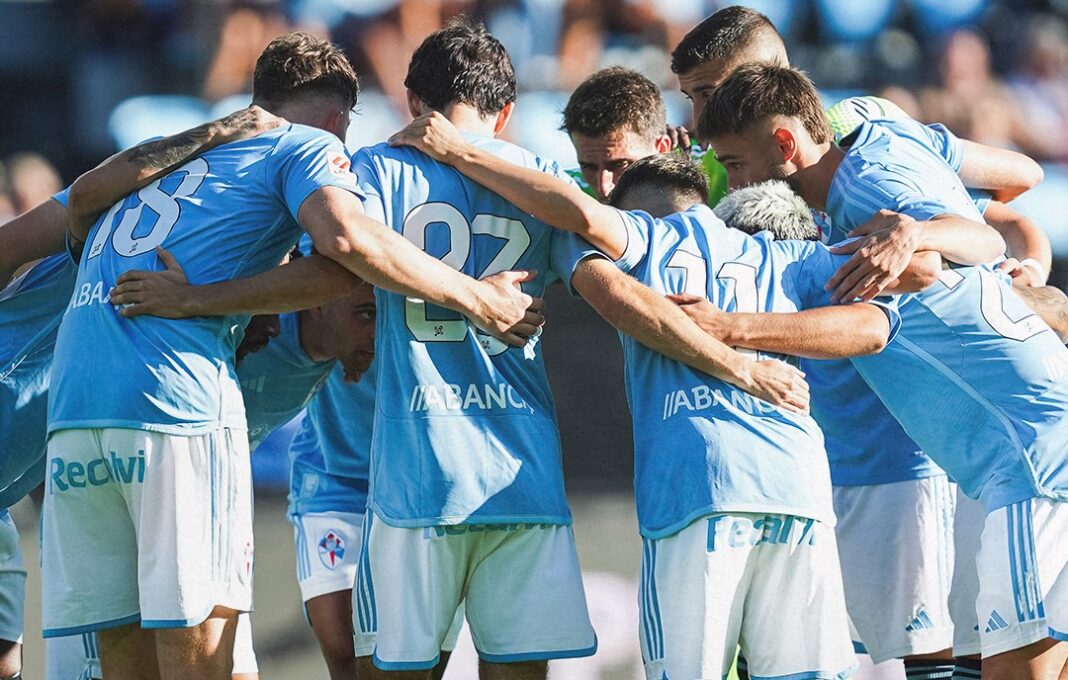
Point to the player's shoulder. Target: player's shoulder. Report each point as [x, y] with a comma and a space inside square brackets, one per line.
[516, 154]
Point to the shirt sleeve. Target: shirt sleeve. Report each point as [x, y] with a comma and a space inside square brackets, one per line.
[880, 188]
[569, 249]
[981, 198]
[370, 184]
[305, 161]
[61, 197]
[945, 143]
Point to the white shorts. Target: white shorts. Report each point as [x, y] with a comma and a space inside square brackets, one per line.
[1023, 576]
[768, 583]
[77, 657]
[968, 522]
[895, 543]
[328, 546]
[12, 581]
[521, 585]
[189, 497]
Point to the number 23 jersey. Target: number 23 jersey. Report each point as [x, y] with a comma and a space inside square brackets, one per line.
[465, 427]
[229, 213]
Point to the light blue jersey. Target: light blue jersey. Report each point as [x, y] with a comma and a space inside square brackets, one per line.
[701, 445]
[227, 214]
[331, 455]
[879, 452]
[975, 377]
[465, 429]
[279, 380]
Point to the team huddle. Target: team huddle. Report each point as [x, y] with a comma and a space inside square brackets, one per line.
[850, 448]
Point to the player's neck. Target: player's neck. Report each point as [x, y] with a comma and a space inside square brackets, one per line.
[812, 180]
[309, 332]
[468, 119]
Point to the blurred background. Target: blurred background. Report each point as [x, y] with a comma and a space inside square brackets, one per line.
[80, 79]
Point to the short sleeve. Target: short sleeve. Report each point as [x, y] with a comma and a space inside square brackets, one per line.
[369, 183]
[981, 198]
[880, 188]
[568, 250]
[307, 160]
[61, 197]
[945, 143]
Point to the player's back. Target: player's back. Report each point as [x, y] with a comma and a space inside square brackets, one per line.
[981, 382]
[701, 444]
[465, 428]
[226, 214]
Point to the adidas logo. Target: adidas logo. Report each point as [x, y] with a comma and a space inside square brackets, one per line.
[995, 622]
[921, 622]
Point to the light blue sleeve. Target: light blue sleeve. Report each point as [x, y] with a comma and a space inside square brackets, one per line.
[981, 198]
[307, 160]
[367, 179]
[880, 188]
[947, 144]
[61, 197]
[569, 249]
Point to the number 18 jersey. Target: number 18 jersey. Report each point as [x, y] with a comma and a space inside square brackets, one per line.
[227, 214]
[465, 427]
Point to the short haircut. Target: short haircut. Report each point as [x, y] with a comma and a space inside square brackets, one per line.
[755, 92]
[667, 171]
[612, 99]
[297, 65]
[720, 37]
[769, 206]
[462, 64]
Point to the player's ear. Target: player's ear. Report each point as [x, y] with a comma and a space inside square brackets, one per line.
[503, 117]
[786, 142]
[415, 104]
[662, 144]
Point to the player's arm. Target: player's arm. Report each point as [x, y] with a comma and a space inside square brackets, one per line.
[1028, 247]
[1049, 303]
[547, 198]
[649, 318]
[887, 243]
[1006, 174]
[129, 170]
[36, 233]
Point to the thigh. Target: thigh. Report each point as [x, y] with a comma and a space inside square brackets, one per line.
[193, 514]
[895, 546]
[88, 539]
[795, 621]
[409, 583]
[525, 597]
[205, 650]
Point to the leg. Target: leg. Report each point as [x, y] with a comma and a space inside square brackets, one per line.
[366, 670]
[331, 619]
[528, 670]
[202, 651]
[10, 659]
[128, 653]
[439, 671]
[1043, 660]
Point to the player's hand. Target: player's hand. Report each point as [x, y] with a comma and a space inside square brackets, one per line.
[1024, 274]
[156, 293]
[778, 383]
[434, 135]
[707, 316]
[244, 124]
[680, 138]
[532, 322]
[501, 304]
[880, 251]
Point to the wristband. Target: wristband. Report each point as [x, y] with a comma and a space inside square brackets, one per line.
[1037, 266]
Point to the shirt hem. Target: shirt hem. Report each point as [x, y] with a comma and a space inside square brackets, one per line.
[826, 518]
[180, 429]
[421, 522]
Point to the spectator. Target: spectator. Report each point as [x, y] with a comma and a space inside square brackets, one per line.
[32, 180]
[1040, 88]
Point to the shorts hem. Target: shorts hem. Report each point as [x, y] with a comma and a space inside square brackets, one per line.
[1058, 635]
[811, 675]
[91, 627]
[315, 590]
[926, 644]
[539, 656]
[966, 650]
[404, 665]
[1022, 640]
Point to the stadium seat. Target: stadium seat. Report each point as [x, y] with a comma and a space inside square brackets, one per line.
[851, 21]
[140, 118]
[940, 16]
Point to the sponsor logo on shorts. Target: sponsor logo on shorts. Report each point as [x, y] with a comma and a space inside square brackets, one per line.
[331, 549]
[725, 531]
[460, 529]
[65, 474]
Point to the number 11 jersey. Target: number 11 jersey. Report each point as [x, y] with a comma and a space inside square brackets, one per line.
[465, 427]
[227, 214]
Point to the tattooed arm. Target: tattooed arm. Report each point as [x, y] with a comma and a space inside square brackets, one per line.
[1049, 303]
[129, 170]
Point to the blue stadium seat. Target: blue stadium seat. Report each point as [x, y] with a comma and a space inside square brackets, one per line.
[940, 16]
[139, 118]
[851, 21]
[1045, 205]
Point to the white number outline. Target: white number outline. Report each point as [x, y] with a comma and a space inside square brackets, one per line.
[992, 306]
[695, 282]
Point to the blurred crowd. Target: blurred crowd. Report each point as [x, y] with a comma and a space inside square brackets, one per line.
[82, 77]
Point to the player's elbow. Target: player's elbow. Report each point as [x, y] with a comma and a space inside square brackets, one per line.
[81, 205]
[1031, 174]
[873, 340]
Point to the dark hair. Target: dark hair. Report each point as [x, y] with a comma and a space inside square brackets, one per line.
[670, 171]
[720, 36]
[616, 98]
[462, 63]
[298, 64]
[755, 92]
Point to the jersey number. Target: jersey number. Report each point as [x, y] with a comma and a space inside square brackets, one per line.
[992, 305]
[164, 205]
[461, 234]
[695, 281]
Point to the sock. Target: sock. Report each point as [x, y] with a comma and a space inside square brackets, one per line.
[967, 669]
[933, 669]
